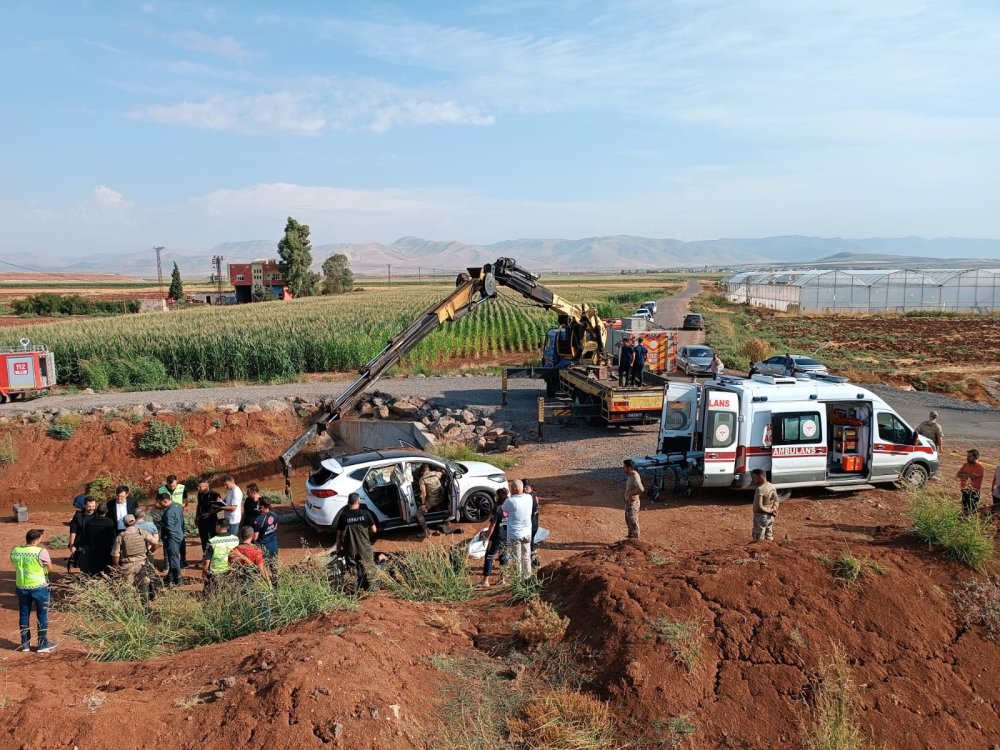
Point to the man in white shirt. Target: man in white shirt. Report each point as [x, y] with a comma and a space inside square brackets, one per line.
[518, 509]
[234, 505]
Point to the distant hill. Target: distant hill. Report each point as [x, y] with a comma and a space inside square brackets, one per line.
[407, 255]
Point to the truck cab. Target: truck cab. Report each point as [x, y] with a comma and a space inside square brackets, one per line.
[819, 431]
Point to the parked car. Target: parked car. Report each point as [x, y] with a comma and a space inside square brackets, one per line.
[694, 360]
[650, 305]
[387, 481]
[643, 313]
[693, 322]
[789, 365]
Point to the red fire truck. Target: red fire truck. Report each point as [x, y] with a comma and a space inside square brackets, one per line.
[24, 370]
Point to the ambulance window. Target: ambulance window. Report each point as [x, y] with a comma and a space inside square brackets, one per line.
[793, 429]
[893, 430]
[721, 430]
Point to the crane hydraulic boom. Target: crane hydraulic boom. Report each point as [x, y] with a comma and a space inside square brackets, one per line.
[586, 340]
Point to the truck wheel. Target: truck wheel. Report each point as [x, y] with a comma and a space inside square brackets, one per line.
[913, 477]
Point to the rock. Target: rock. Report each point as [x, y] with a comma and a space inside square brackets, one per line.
[163, 412]
[366, 410]
[229, 408]
[442, 424]
[226, 682]
[394, 708]
[205, 406]
[378, 402]
[88, 391]
[485, 422]
[467, 416]
[480, 444]
[373, 710]
[382, 412]
[494, 433]
[275, 406]
[419, 375]
[426, 421]
[435, 414]
[480, 431]
[502, 444]
[404, 409]
[251, 408]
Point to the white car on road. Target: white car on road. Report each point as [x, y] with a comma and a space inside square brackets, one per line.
[387, 481]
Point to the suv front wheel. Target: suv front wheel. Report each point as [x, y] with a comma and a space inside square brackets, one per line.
[478, 506]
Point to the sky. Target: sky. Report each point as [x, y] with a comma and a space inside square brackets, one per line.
[186, 124]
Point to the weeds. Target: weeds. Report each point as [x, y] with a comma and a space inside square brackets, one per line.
[457, 452]
[8, 453]
[680, 729]
[833, 725]
[563, 719]
[61, 431]
[848, 568]
[979, 602]
[525, 589]
[541, 624]
[684, 638]
[58, 541]
[431, 574]
[938, 521]
[160, 438]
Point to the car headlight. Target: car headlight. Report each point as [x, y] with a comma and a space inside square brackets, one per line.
[498, 478]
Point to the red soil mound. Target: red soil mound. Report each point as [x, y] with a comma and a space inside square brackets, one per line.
[767, 616]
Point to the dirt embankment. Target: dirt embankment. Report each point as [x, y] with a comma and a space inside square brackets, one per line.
[766, 616]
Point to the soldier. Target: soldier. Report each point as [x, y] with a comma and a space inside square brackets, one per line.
[431, 495]
[931, 429]
[633, 494]
[765, 506]
[130, 554]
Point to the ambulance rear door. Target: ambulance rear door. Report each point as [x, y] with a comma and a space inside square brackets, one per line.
[679, 418]
[798, 443]
[719, 436]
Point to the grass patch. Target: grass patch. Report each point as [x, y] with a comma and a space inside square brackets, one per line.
[8, 451]
[457, 452]
[429, 574]
[833, 725]
[61, 431]
[109, 617]
[160, 438]
[563, 719]
[524, 589]
[684, 638]
[938, 521]
[979, 603]
[541, 624]
[102, 488]
[58, 541]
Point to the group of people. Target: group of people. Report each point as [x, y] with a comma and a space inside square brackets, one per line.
[632, 355]
[971, 473]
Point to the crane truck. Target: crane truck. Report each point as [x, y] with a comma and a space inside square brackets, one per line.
[576, 358]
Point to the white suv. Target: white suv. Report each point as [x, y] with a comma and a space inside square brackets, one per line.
[387, 482]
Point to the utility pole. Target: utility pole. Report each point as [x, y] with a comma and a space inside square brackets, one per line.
[159, 267]
[389, 282]
[217, 261]
[418, 274]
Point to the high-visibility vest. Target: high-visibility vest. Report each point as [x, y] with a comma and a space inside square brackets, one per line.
[28, 568]
[221, 547]
[177, 494]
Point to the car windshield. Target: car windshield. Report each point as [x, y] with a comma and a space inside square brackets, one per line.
[805, 361]
[699, 352]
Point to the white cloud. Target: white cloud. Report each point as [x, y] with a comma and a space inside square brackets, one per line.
[221, 46]
[428, 113]
[279, 112]
[108, 198]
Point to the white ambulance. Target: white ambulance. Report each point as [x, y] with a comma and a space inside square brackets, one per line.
[818, 431]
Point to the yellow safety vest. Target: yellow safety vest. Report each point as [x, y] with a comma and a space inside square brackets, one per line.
[28, 568]
[221, 547]
[177, 495]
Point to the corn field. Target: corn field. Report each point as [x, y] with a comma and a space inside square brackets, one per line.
[284, 339]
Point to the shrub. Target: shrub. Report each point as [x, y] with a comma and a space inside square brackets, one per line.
[58, 541]
[938, 521]
[562, 720]
[524, 589]
[71, 304]
[8, 453]
[847, 567]
[756, 350]
[684, 638]
[102, 488]
[61, 431]
[458, 452]
[160, 438]
[979, 602]
[833, 725]
[429, 574]
[541, 624]
[94, 374]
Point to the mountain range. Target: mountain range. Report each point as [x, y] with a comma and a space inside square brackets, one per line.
[412, 255]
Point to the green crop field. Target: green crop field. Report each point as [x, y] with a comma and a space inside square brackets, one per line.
[277, 340]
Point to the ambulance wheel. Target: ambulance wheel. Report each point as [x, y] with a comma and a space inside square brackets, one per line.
[784, 495]
[913, 477]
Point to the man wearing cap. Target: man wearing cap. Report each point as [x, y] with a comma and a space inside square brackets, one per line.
[931, 429]
[129, 554]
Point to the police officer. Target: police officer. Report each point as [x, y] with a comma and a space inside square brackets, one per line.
[130, 554]
[765, 506]
[216, 562]
[31, 580]
[431, 495]
[354, 530]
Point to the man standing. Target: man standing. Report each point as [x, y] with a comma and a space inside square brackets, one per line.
[178, 494]
[251, 504]
[120, 507]
[639, 354]
[931, 429]
[528, 490]
[996, 491]
[354, 530]
[216, 562]
[172, 536]
[207, 512]
[431, 494]
[633, 496]
[233, 505]
[717, 368]
[624, 361]
[765, 506]
[971, 477]
[32, 565]
[76, 529]
[141, 522]
[265, 533]
[518, 510]
[496, 536]
[96, 540]
[130, 554]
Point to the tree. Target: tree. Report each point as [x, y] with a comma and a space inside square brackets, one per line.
[176, 291]
[295, 251]
[260, 294]
[337, 275]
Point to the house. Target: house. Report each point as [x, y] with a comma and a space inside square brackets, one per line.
[245, 277]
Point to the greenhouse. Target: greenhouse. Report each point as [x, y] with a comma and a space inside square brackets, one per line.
[869, 290]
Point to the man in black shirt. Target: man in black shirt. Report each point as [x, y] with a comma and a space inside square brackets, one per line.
[207, 513]
[76, 525]
[639, 354]
[354, 531]
[96, 539]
